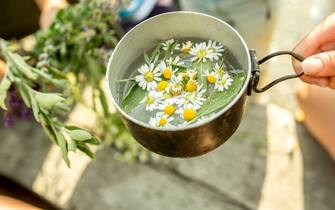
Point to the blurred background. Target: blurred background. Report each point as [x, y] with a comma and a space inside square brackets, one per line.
[278, 159]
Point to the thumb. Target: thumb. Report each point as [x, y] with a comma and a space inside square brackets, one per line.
[320, 65]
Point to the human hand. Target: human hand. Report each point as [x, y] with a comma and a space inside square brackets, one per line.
[319, 50]
[49, 9]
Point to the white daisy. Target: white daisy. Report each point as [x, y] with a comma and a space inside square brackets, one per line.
[153, 100]
[202, 52]
[161, 121]
[165, 68]
[168, 43]
[215, 48]
[175, 61]
[176, 86]
[186, 48]
[187, 113]
[211, 77]
[167, 108]
[148, 77]
[192, 99]
[223, 82]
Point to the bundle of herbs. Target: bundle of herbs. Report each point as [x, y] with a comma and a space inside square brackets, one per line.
[69, 57]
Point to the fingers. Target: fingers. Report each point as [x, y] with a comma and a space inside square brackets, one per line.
[320, 65]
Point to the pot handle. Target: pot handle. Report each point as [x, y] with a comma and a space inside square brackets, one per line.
[253, 85]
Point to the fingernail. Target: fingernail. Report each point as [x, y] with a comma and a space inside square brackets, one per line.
[312, 65]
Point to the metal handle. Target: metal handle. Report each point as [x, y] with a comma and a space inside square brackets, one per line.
[256, 71]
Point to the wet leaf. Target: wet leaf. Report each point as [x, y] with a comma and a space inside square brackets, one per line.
[135, 95]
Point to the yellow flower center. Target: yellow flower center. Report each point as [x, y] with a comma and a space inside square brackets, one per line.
[149, 76]
[167, 73]
[191, 86]
[186, 47]
[162, 85]
[176, 89]
[211, 79]
[169, 110]
[189, 114]
[167, 95]
[162, 121]
[202, 53]
[149, 100]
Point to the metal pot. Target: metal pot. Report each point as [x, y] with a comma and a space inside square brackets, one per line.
[198, 138]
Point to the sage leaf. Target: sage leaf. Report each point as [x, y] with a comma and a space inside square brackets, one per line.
[219, 99]
[79, 135]
[47, 128]
[4, 87]
[201, 67]
[135, 95]
[48, 100]
[146, 58]
[84, 148]
[35, 108]
[62, 143]
[24, 93]
[93, 141]
[22, 66]
[72, 146]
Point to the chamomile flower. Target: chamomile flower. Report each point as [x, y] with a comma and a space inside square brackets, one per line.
[176, 86]
[192, 99]
[167, 108]
[148, 77]
[153, 100]
[223, 82]
[166, 69]
[187, 113]
[215, 48]
[202, 52]
[211, 77]
[161, 121]
[175, 61]
[192, 74]
[186, 47]
[168, 43]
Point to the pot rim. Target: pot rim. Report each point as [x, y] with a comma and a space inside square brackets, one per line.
[196, 124]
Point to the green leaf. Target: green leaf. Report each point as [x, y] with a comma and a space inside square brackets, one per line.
[146, 58]
[72, 146]
[22, 66]
[133, 98]
[4, 87]
[47, 100]
[62, 143]
[24, 93]
[93, 141]
[48, 128]
[35, 107]
[201, 67]
[218, 100]
[103, 101]
[79, 135]
[84, 148]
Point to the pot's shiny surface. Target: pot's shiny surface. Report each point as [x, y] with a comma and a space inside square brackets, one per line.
[197, 138]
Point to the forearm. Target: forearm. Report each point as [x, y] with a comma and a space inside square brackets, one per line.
[43, 4]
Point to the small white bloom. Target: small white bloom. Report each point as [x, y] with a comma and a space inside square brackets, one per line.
[161, 121]
[148, 77]
[223, 82]
[168, 43]
[214, 47]
[153, 100]
[175, 61]
[166, 69]
[211, 77]
[192, 99]
[202, 52]
[186, 47]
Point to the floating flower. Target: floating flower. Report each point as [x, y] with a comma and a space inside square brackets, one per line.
[162, 85]
[166, 69]
[186, 47]
[211, 76]
[168, 44]
[175, 61]
[215, 48]
[148, 77]
[223, 82]
[188, 113]
[202, 52]
[167, 108]
[161, 121]
[153, 100]
[192, 99]
[191, 85]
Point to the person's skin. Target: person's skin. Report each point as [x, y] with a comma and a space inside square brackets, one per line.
[49, 9]
[318, 48]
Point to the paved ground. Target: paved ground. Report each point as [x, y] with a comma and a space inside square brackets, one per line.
[271, 163]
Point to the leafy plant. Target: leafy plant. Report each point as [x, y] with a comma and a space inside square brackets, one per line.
[68, 57]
